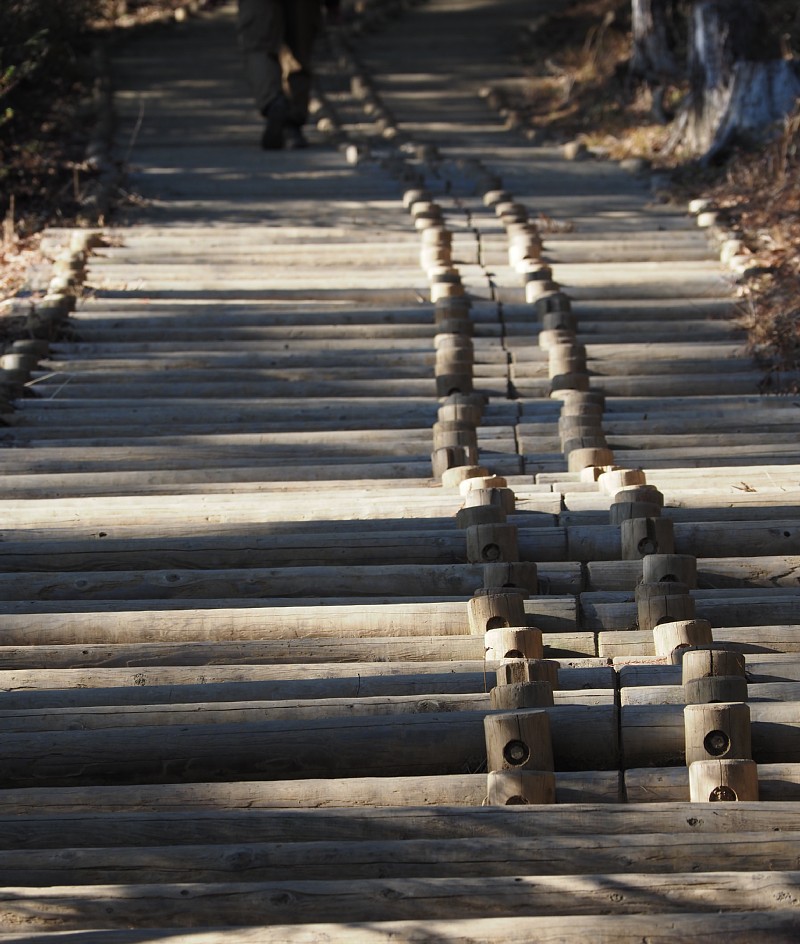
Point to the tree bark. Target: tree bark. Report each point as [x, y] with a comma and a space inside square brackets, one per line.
[739, 85]
[654, 60]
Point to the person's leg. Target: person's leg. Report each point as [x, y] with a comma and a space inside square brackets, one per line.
[303, 18]
[260, 26]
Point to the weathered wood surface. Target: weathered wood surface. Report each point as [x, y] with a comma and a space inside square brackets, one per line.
[260, 861]
[236, 674]
[387, 745]
[653, 735]
[748, 639]
[176, 905]
[199, 826]
[776, 783]
[464, 790]
[741, 928]
[87, 719]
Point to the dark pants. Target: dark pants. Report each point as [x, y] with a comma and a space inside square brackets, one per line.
[277, 40]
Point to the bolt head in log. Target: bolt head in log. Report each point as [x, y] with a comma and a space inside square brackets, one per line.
[492, 543]
[642, 536]
[716, 732]
[714, 781]
[713, 689]
[515, 788]
[496, 609]
[519, 740]
[515, 642]
[670, 639]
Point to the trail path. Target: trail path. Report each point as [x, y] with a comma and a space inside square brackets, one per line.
[249, 689]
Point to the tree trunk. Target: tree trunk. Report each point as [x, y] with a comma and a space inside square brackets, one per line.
[739, 85]
[653, 58]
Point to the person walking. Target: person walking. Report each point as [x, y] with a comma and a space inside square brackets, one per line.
[277, 40]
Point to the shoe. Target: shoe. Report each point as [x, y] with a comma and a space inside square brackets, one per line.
[275, 115]
[294, 139]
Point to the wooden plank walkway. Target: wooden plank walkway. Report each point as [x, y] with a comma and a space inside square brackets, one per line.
[395, 544]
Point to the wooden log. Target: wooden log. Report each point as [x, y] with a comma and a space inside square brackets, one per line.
[488, 544]
[259, 860]
[494, 609]
[513, 643]
[240, 712]
[719, 688]
[527, 640]
[709, 662]
[520, 787]
[517, 671]
[665, 602]
[642, 536]
[77, 690]
[675, 636]
[260, 623]
[719, 731]
[776, 783]
[746, 639]
[365, 746]
[199, 825]
[723, 780]
[652, 735]
[774, 571]
[680, 568]
[519, 575]
[522, 695]
[464, 790]
[214, 904]
[519, 740]
[778, 927]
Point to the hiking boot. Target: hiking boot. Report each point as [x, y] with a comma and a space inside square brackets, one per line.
[294, 137]
[275, 115]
